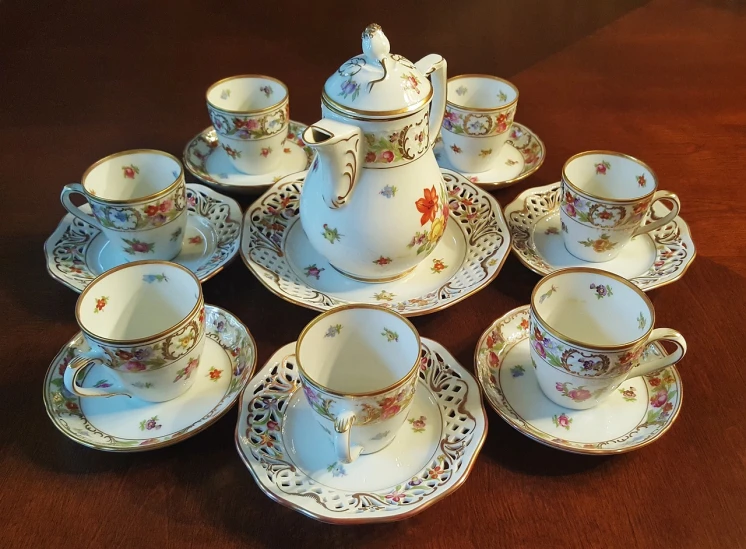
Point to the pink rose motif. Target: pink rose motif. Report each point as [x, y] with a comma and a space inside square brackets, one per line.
[370, 157]
[252, 124]
[563, 421]
[387, 156]
[601, 169]
[396, 497]
[272, 425]
[166, 205]
[134, 366]
[129, 172]
[493, 360]
[452, 116]
[659, 398]
[579, 395]
[570, 210]
[559, 386]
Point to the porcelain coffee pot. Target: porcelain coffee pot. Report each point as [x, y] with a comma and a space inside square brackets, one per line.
[374, 202]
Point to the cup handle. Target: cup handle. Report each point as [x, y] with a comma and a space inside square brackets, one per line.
[77, 188]
[342, 428]
[662, 334]
[675, 207]
[76, 366]
[435, 67]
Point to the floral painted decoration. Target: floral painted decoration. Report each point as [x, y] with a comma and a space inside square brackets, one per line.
[350, 88]
[150, 424]
[461, 90]
[135, 246]
[641, 180]
[382, 261]
[142, 216]
[383, 295]
[641, 321]
[266, 90]
[186, 372]
[388, 191]
[150, 278]
[214, 374]
[410, 82]
[562, 420]
[546, 295]
[195, 239]
[418, 424]
[332, 235]
[314, 271]
[517, 371]
[600, 245]
[390, 335]
[233, 153]
[485, 153]
[577, 394]
[333, 331]
[601, 290]
[101, 302]
[438, 266]
[628, 395]
[602, 167]
[265, 152]
[337, 469]
[130, 171]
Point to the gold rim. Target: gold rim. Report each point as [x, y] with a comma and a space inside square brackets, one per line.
[479, 369]
[373, 280]
[285, 99]
[147, 198]
[599, 273]
[245, 377]
[404, 379]
[566, 179]
[131, 342]
[375, 115]
[380, 519]
[479, 109]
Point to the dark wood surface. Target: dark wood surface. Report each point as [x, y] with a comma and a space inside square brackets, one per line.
[662, 80]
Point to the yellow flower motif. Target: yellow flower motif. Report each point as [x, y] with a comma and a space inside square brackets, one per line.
[185, 341]
[437, 230]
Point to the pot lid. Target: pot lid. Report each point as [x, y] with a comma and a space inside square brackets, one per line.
[377, 83]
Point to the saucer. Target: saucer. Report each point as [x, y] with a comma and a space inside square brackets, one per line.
[521, 156]
[649, 261]
[78, 252]
[293, 461]
[468, 257]
[121, 424]
[209, 162]
[638, 413]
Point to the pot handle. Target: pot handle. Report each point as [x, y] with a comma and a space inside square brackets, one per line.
[435, 68]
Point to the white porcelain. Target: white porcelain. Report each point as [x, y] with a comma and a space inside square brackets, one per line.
[467, 258]
[588, 329]
[636, 414]
[606, 197]
[278, 439]
[521, 155]
[374, 202]
[120, 424]
[138, 200]
[250, 114]
[77, 252]
[479, 115]
[358, 366]
[208, 162]
[144, 321]
[651, 260]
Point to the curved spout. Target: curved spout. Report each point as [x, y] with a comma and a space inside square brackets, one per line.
[339, 158]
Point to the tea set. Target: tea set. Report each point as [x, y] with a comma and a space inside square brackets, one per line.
[376, 212]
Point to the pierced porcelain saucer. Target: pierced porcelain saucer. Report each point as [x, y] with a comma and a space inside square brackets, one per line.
[293, 461]
[521, 156]
[649, 261]
[209, 163]
[638, 413]
[468, 257]
[78, 252]
[121, 424]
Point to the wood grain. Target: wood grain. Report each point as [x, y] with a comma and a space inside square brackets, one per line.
[661, 80]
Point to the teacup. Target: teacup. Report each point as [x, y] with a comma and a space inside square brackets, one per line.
[606, 197]
[589, 329]
[144, 321]
[250, 114]
[358, 366]
[138, 200]
[479, 114]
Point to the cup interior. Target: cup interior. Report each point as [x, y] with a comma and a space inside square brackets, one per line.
[592, 308]
[480, 92]
[246, 94]
[132, 175]
[358, 350]
[138, 300]
[609, 175]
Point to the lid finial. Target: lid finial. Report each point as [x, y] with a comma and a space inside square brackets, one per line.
[375, 44]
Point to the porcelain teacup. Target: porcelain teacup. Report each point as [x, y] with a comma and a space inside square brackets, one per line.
[359, 366]
[138, 200]
[479, 114]
[606, 198]
[250, 114]
[588, 330]
[144, 321]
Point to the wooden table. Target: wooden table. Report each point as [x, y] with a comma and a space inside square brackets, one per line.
[661, 80]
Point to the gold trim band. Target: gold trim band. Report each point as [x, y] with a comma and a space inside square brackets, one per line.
[349, 111]
[404, 379]
[600, 273]
[138, 200]
[573, 186]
